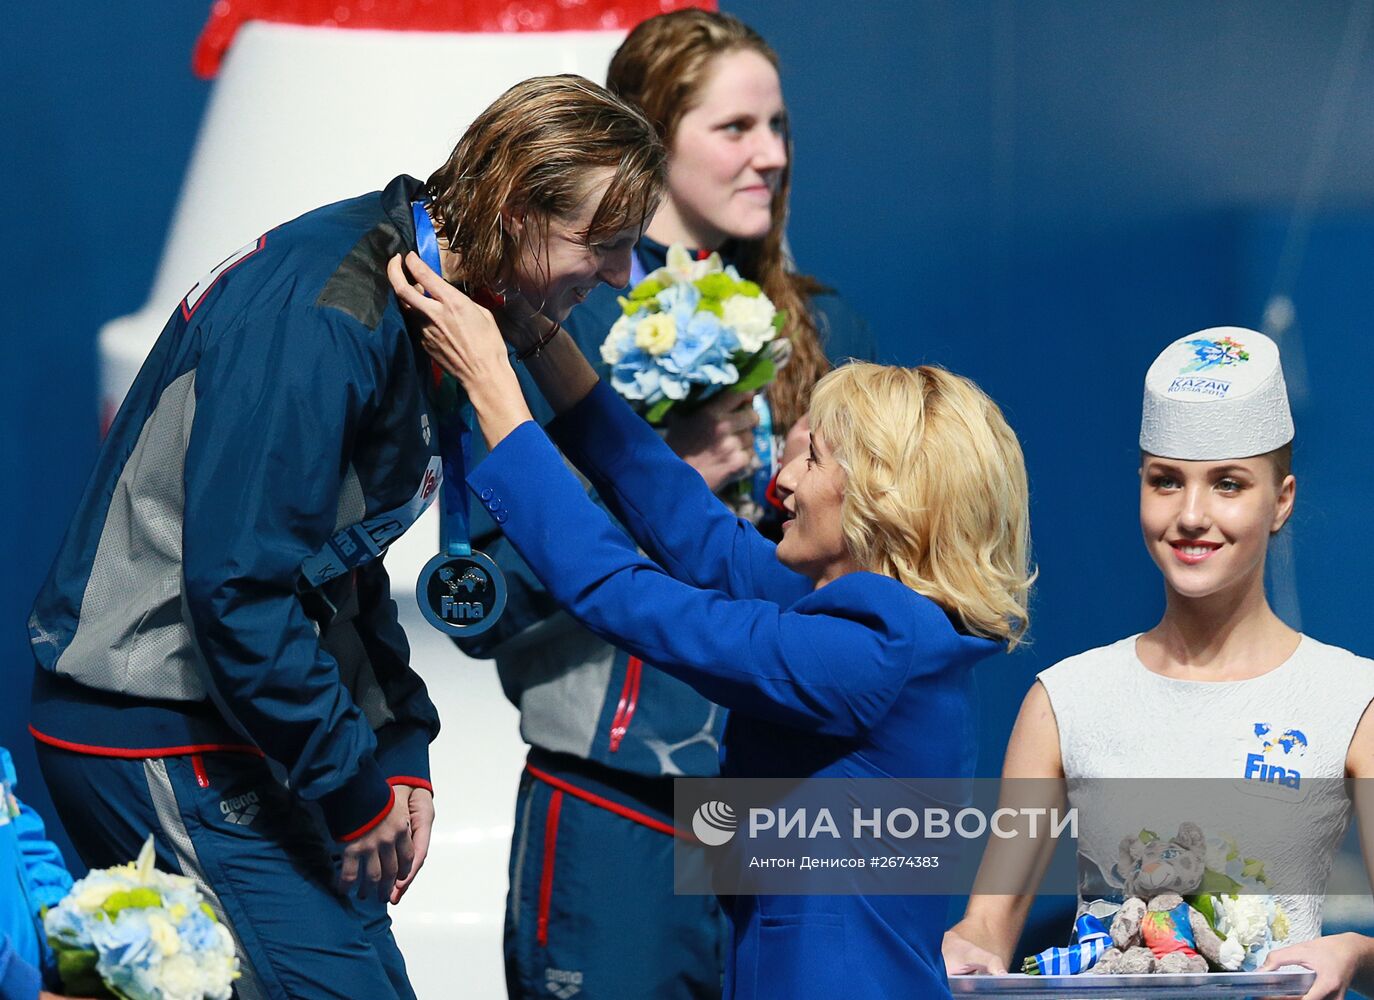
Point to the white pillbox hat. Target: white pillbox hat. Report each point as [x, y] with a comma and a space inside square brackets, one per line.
[1216, 394]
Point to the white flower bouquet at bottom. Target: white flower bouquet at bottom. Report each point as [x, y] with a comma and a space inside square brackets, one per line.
[136, 933]
[1232, 897]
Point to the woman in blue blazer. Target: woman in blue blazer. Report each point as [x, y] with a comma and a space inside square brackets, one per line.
[843, 651]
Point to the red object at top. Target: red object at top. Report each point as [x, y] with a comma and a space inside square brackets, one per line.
[424, 15]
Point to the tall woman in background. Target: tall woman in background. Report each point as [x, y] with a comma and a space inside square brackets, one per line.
[591, 900]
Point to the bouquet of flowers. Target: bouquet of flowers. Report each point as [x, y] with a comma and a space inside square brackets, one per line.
[136, 933]
[1251, 922]
[689, 330]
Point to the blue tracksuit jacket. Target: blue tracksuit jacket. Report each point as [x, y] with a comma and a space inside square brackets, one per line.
[278, 426]
[860, 678]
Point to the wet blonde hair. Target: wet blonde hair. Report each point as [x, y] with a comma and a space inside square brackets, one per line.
[935, 492]
[661, 68]
[532, 150]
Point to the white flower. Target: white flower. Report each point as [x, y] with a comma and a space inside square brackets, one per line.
[1245, 919]
[164, 934]
[1232, 954]
[1278, 924]
[180, 978]
[613, 348]
[656, 333]
[751, 319]
[680, 267]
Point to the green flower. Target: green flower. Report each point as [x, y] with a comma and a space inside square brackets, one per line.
[715, 286]
[141, 898]
[646, 289]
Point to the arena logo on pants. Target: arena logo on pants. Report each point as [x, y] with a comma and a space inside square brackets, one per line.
[241, 809]
[563, 983]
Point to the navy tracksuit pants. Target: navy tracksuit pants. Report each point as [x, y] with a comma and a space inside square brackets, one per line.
[591, 912]
[258, 854]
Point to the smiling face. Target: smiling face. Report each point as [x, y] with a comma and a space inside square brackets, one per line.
[1207, 524]
[812, 490]
[727, 156]
[557, 267]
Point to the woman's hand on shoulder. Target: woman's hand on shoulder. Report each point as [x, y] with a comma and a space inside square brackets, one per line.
[462, 336]
[464, 340]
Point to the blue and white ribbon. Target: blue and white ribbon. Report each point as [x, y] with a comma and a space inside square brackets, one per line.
[1093, 940]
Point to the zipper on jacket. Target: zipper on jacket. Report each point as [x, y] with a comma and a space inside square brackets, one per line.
[629, 699]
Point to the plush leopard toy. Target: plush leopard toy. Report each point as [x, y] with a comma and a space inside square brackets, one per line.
[1155, 930]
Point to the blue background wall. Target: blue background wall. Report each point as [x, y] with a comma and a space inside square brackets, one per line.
[1039, 195]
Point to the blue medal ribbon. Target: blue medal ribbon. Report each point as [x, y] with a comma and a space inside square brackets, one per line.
[460, 592]
[453, 415]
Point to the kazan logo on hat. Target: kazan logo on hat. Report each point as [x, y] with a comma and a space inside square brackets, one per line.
[1216, 394]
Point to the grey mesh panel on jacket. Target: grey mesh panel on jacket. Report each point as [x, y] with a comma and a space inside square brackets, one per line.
[133, 635]
[558, 674]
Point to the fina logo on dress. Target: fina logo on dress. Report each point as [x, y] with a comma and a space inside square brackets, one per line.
[1262, 766]
[714, 823]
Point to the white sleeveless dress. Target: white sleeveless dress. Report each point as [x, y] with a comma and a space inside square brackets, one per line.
[1268, 743]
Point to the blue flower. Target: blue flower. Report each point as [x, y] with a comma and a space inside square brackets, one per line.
[704, 347]
[128, 954]
[199, 933]
[636, 376]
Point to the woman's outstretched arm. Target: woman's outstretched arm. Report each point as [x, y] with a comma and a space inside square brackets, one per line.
[663, 503]
[1011, 870]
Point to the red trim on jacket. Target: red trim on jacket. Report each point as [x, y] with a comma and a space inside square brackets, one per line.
[411, 782]
[631, 814]
[372, 823]
[629, 700]
[546, 876]
[139, 752]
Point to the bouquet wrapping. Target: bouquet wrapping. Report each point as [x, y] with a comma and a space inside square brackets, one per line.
[136, 933]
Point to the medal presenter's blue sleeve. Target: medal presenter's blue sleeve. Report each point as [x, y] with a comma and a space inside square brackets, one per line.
[665, 504]
[831, 663]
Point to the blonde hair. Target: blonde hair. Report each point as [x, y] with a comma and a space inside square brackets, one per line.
[661, 68]
[935, 491]
[532, 149]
